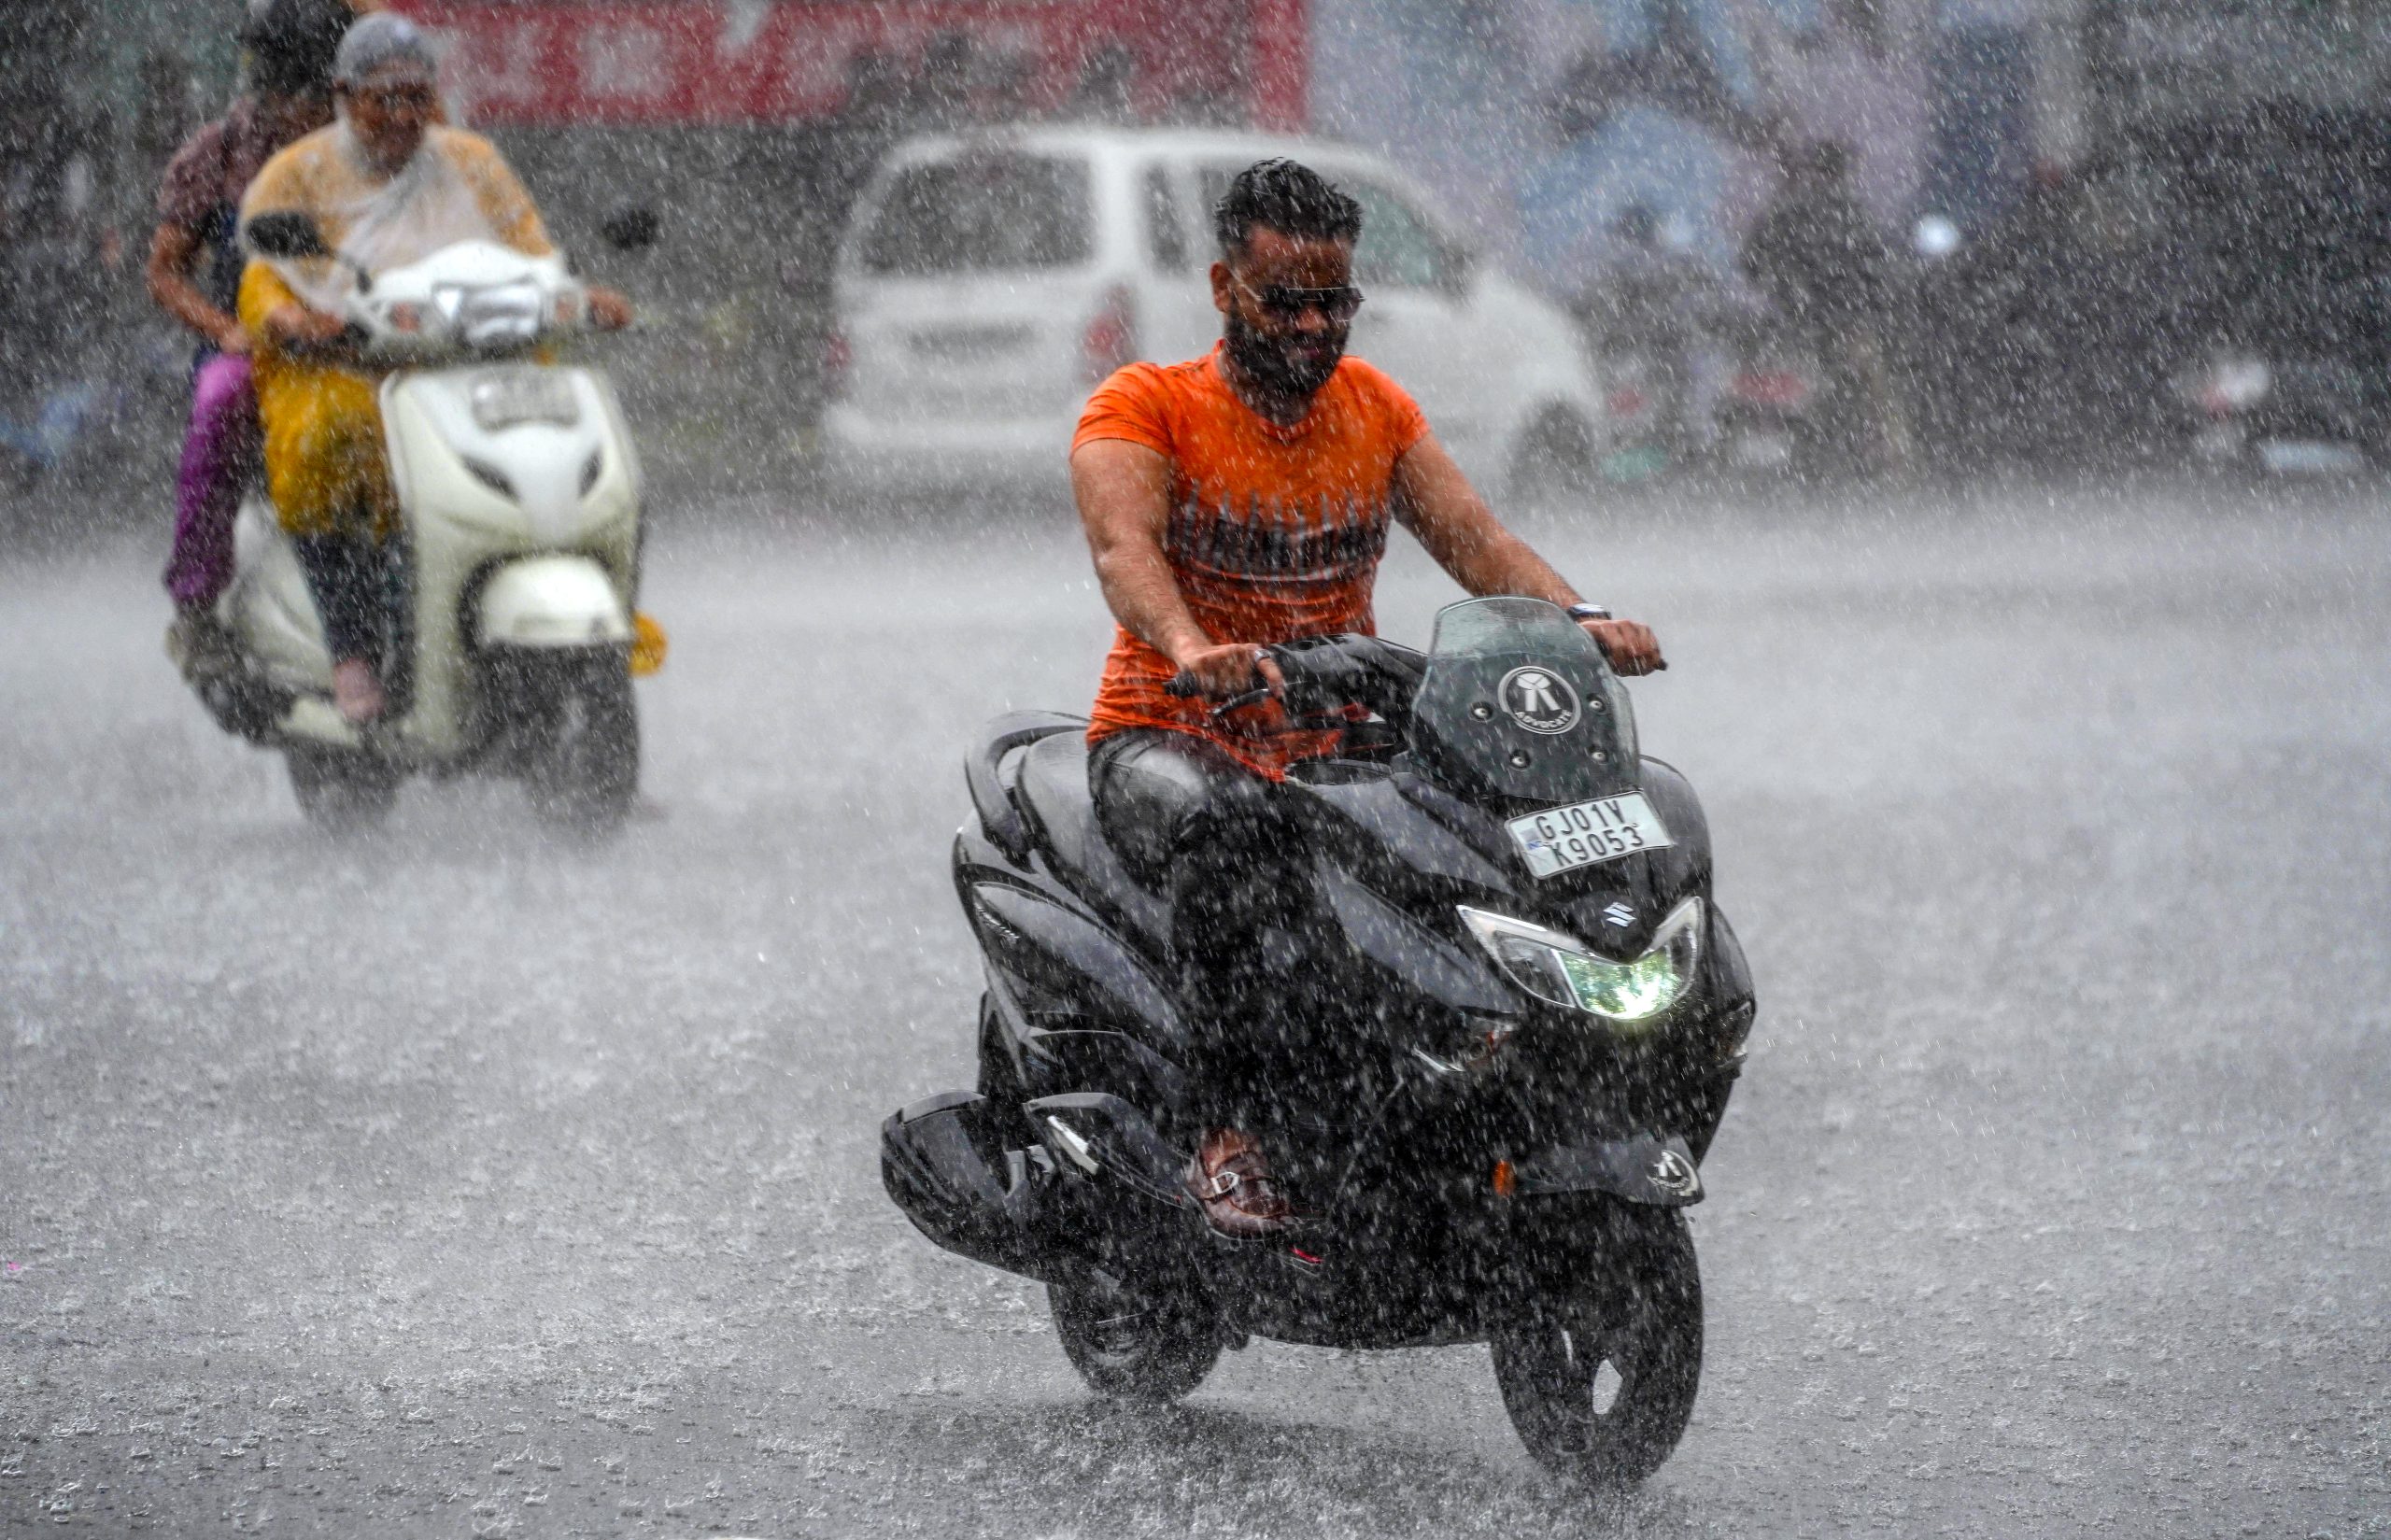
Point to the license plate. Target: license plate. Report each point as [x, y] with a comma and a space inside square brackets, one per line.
[2302, 457]
[971, 344]
[1581, 834]
[508, 398]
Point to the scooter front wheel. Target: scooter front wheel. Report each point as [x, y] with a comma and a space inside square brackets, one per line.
[584, 769]
[1131, 1340]
[1599, 1376]
[341, 791]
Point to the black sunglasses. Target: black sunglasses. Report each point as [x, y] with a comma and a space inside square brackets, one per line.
[1281, 303]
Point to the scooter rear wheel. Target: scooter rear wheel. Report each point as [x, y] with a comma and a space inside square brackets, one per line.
[1599, 1377]
[1134, 1341]
[340, 791]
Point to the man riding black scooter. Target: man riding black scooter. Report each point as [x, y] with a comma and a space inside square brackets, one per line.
[1233, 501]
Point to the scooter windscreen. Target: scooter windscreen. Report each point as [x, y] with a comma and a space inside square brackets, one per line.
[1517, 702]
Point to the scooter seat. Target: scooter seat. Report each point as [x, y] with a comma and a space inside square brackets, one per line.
[1053, 791]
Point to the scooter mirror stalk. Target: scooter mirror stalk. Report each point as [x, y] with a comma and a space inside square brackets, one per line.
[631, 228]
[287, 234]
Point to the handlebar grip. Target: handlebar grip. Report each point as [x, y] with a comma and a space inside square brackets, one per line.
[1251, 698]
[1183, 685]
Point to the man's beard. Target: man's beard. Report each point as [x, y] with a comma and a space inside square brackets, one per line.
[1264, 360]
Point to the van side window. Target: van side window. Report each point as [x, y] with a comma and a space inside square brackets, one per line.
[1398, 250]
[982, 212]
[1166, 236]
[1398, 247]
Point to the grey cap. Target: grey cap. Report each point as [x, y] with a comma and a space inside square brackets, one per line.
[384, 44]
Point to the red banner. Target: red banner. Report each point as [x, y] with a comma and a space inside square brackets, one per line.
[755, 61]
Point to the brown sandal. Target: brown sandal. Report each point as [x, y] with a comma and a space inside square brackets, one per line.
[1231, 1181]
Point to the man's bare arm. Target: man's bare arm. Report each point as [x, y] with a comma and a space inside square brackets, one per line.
[173, 250]
[1123, 494]
[1438, 504]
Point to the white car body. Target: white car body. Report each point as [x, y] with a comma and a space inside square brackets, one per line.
[967, 345]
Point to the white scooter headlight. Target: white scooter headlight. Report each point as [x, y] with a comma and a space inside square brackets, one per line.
[1554, 965]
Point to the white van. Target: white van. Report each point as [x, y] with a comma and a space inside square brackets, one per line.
[986, 283]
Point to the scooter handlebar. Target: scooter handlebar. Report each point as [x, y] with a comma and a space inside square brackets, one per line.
[352, 344]
[1326, 674]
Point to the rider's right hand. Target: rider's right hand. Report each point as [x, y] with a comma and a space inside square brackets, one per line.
[1226, 670]
[300, 325]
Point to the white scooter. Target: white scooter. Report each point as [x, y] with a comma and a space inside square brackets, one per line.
[514, 627]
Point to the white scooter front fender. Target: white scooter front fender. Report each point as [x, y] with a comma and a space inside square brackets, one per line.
[550, 601]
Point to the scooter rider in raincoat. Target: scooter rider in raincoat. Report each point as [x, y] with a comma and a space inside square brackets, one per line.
[386, 184]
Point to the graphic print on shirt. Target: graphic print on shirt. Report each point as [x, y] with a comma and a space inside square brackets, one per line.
[1278, 546]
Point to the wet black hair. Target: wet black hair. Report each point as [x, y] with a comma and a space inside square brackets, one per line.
[1285, 196]
[292, 44]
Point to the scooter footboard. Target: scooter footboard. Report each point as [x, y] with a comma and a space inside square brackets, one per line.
[1045, 1212]
[936, 1162]
[1103, 1135]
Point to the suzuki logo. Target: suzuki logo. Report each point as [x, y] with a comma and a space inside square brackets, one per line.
[1537, 700]
[1619, 916]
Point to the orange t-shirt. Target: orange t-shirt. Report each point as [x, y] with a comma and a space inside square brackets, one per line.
[1274, 533]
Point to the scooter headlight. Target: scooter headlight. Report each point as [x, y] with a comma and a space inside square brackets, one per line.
[1554, 965]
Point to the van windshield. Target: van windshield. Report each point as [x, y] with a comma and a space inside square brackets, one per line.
[980, 213]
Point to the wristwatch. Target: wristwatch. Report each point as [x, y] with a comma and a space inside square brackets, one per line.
[1590, 612]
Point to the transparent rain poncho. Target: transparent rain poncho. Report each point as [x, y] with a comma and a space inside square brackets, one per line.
[454, 187]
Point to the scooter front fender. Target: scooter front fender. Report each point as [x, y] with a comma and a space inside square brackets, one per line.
[548, 601]
[1645, 1169]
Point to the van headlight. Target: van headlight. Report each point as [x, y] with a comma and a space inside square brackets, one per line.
[1554, 965]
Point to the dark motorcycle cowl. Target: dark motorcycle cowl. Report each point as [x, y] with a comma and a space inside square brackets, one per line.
[1519, 703]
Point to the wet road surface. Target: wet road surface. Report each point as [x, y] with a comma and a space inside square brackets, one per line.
[451, 1182]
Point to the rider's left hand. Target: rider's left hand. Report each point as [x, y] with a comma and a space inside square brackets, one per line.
[608, 310]
[1629, 645]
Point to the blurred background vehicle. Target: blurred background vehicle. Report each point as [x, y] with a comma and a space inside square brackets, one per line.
[2282, 218]
[2217, 291]
[1768, 415]
[987, 283]
[1651, 319]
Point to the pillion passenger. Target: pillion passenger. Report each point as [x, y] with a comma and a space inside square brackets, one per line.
[194, 275]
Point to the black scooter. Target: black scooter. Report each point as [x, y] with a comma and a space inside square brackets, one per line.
[1527, 1011]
